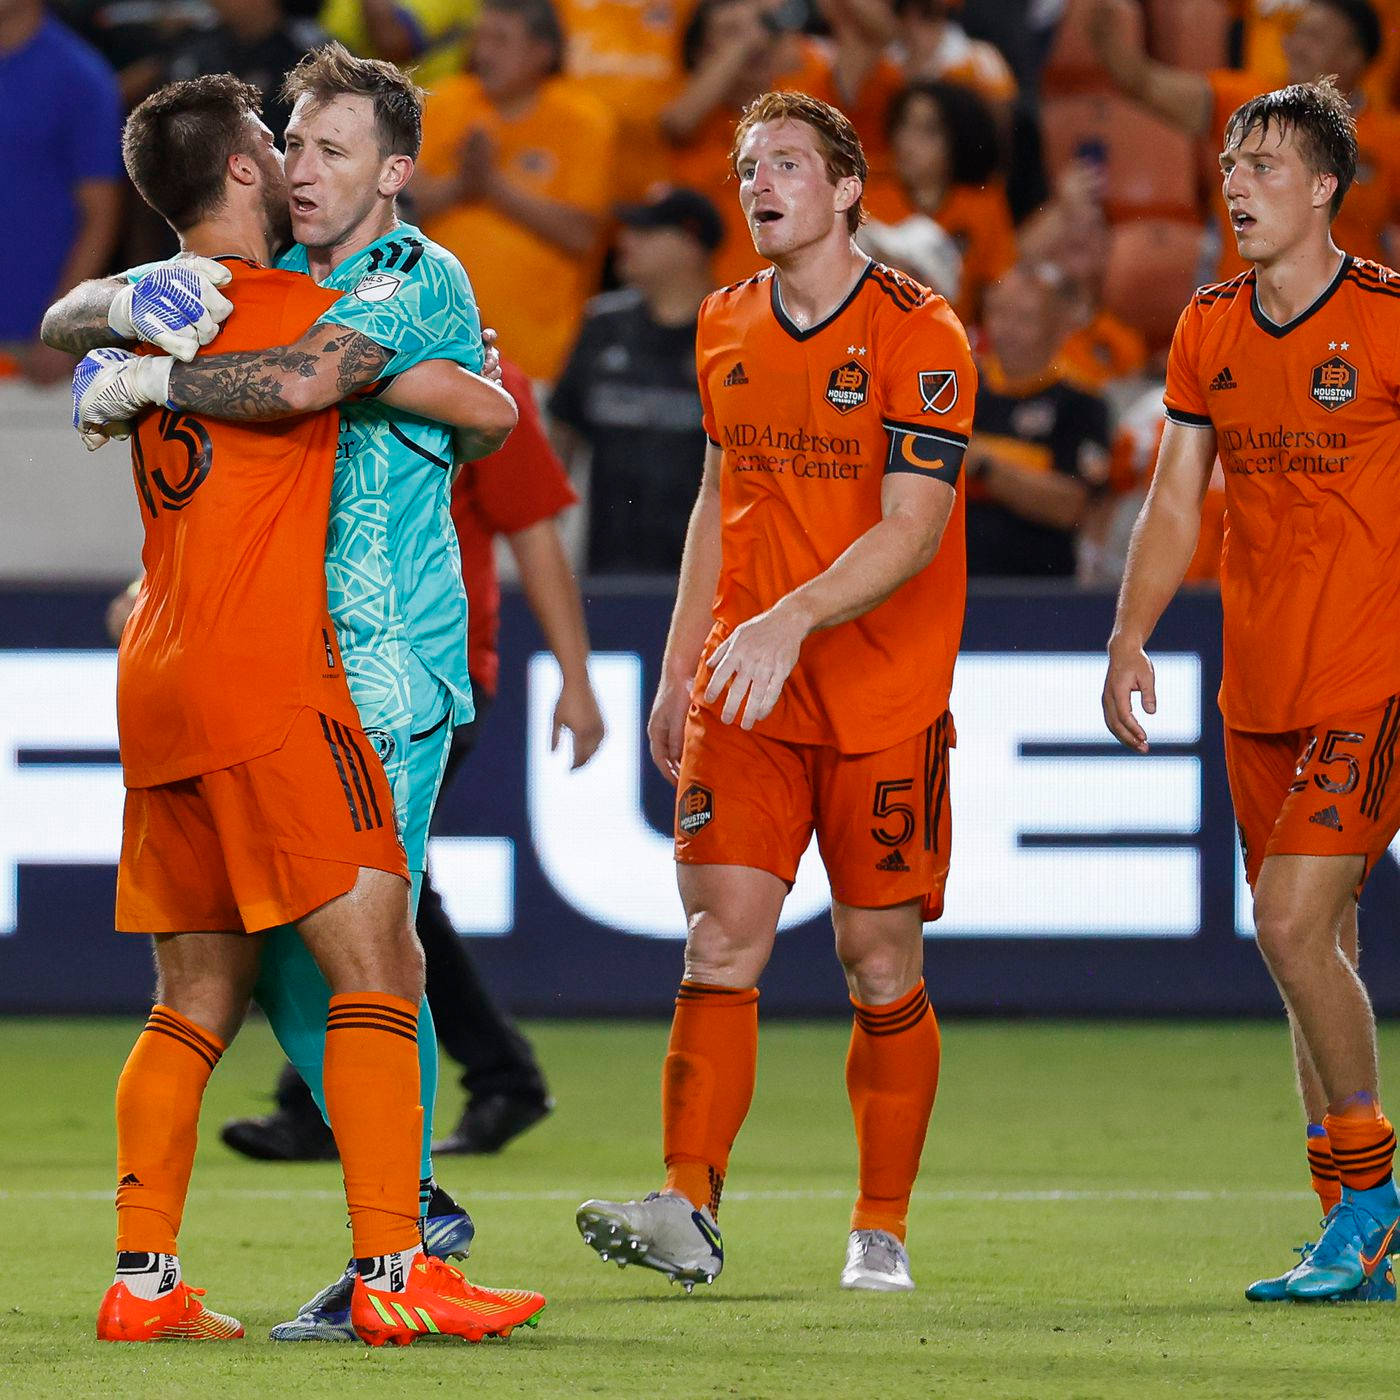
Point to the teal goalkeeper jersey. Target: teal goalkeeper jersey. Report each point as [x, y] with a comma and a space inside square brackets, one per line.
[393, 569]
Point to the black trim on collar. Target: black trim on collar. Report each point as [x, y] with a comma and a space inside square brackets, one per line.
[785, 321]
[1278, 332]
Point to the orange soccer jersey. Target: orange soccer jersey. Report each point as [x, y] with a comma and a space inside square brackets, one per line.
[809, 422]
[1309, 438]
[230, 637]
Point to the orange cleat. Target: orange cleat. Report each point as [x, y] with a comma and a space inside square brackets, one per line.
[438, 1300]
[177, 1316]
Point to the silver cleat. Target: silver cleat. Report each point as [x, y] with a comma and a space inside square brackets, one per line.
[876, 1261]
[662, 1232]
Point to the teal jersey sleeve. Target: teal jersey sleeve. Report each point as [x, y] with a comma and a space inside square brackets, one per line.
[412, 299]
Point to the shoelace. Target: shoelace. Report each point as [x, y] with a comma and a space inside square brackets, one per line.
[880, 1252]
[1343, 1231]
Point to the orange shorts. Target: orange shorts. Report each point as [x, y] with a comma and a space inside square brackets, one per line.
[883, 820]
[262, 843]
[1322, 791]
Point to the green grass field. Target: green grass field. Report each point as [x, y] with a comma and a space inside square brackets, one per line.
[1093, 1199]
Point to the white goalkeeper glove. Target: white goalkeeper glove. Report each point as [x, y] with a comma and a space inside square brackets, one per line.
[112, 386]
[177, 306]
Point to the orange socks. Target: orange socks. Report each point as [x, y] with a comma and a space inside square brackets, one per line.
[891, 1077]
[371, 1082]
[707, 1086]
[1363, 1146]
[1325, 1179]
[158, 1098]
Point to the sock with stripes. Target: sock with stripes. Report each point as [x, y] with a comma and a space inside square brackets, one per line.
[1363, 1147]
[294, 996]
[707, 1086]
[388, 1273]
[1325, 1179]
[158, 1098]
[371, 1086]
[891, 1077]
[148, 1276]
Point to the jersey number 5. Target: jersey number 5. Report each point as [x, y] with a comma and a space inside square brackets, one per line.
[187, 432]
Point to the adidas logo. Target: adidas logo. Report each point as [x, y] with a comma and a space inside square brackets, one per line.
[893, 862]
[736, 375]
[1223, 380]
[1328, 817]
[130, 1179]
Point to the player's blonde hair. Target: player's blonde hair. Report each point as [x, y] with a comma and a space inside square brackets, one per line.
[836, 138]
[333, 71]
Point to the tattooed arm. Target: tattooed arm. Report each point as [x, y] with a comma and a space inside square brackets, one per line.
[78, 322]
[325, 365]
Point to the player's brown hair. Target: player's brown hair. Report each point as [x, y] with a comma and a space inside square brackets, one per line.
[1318, 115]
[333, 71]
[177, 143]
[836, 137]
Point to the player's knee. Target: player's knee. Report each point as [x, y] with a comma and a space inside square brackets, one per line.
[880, 974]
[1286, 940]
[722, 952]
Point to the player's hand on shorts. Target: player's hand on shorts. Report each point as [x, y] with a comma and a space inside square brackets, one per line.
[577, 711]
[666, 727]
[491, 365]
[177, 306]
[754, 661]
[111, 387]
[1129, 673]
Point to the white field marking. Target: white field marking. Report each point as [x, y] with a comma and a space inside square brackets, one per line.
[234, 1193]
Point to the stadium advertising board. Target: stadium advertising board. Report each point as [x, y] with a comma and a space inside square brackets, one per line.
[1085, 878]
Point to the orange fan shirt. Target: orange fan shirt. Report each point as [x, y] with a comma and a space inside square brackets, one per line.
[528, 288]
[808, 423]
[230, 637]
[1308, 431]
[1371, 204]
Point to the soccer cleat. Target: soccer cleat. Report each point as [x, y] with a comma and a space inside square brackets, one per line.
[876, 1261]
[489, 1122]
[1352, 1254]
[447, 1234]
[437, 1300]
[663, 1232]
[177, 1316]
[1275, 1290]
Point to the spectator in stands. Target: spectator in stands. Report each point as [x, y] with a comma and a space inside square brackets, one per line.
[935, 46]
[1341, 37]
[946, 154]
[427, 35]
[1039, 452]
[255, 40]
[516, 177]
[60, 175]
[627, 53]
[136, 39]
[628, 390]
[1072, 232]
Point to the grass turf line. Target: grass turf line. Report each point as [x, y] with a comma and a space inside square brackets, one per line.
[1093, 1200]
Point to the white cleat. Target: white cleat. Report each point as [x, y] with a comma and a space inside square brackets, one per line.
[663, 1232]
[875, 1260]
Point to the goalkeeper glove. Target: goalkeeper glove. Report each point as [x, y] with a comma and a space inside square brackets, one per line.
[111, 386]
[177, 306]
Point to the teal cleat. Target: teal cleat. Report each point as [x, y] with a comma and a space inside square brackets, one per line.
[1379, 1288]
[1352, 1255]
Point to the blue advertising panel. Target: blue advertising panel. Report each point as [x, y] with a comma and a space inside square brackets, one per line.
[1085, 879]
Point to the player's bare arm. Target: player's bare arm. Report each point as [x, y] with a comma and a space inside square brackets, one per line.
[690, 623]
[756, 659]
[481, 412]
[78, 322]
[1163, 542]
[1177, 95]
[551, 590]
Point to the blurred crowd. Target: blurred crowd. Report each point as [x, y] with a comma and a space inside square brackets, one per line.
[1048, 165]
